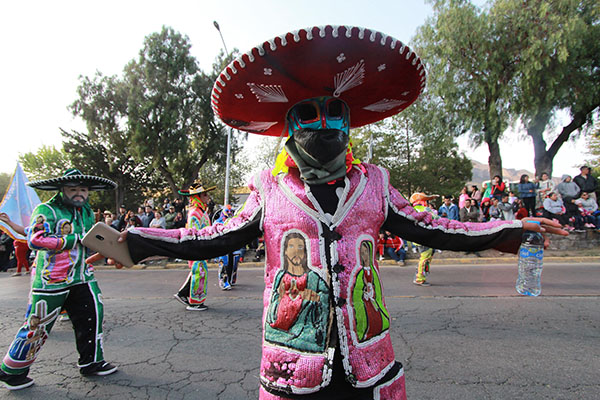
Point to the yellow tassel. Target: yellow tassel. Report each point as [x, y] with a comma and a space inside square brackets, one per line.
[355, 161]
[280, 166]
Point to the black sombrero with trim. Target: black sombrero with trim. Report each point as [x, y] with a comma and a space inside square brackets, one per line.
[74, 177]
[196, 188]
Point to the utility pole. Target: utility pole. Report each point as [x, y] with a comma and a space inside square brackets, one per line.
[229, 132]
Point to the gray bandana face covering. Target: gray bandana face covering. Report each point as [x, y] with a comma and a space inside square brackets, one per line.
[317, 171]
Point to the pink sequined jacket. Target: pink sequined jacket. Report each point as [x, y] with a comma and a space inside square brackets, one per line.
[322, 287]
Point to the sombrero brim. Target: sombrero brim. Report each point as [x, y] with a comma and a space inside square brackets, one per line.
[92, 182]
[195, 191]
[423, 197]
[374, 74]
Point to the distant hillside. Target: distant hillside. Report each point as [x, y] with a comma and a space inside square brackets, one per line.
[481, 173]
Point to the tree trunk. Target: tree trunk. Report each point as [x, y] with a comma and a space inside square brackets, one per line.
[169, 177]
[119, 193]
[535, 129]
[495, 159]
[544, 158]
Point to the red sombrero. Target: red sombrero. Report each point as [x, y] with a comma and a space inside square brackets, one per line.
[375, 74]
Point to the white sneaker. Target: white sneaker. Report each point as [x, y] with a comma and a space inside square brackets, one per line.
[196, 307]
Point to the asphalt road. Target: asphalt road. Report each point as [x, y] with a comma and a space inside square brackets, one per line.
[469, 336]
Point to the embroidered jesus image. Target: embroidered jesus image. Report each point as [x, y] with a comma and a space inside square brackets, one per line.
[298, 313]
[372, 318]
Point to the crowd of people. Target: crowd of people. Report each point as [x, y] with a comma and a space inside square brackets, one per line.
[169, 215]
[572, 203]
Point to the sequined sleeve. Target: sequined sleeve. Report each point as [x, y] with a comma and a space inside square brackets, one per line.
[200, 244]
[445, 234]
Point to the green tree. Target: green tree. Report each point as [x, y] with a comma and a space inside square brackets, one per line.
[48, 162]
[51, 162]
[169, 110]
[471, 61]
[594, 150]
[4, 182]
[558, 67]
[105, 149]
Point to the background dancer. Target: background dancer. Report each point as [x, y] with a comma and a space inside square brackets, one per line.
[193, 292]
[420, 201]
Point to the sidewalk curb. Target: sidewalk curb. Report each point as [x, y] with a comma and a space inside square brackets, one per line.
[386, 263]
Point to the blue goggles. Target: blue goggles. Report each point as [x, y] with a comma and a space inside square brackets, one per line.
[319, 113]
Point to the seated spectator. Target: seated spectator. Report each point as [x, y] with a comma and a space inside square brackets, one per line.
[115, 221]
[521, 211]
[498, 187]
[140, 212]
[568, 192]
[512, 197]
[485, 209]
[464, 195]
[179, 221]
[476, 195]
[166, 205]
[147, 216]
[122, 218]
[179, 205]
[158, 221]
[487, 190]
[133, 221]
[506, 208]
[393, 246]
[527, 192]
[470, 212]
[449, 209]
[170, 217]
[589, 210]
[494, 212]
[554, 209]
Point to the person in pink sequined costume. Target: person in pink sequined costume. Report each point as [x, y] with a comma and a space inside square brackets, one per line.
[326, 331]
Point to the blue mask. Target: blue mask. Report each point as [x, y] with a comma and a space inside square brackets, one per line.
[319, 113]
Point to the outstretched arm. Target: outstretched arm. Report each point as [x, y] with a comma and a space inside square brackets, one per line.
[192, 244]
[16, 227]
[421, 227]
[197, 244]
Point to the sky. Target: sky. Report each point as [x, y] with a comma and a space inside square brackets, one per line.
[48, 45]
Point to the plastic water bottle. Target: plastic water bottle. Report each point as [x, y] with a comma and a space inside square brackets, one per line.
[531, 255]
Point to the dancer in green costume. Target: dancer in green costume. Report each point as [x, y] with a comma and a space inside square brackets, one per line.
[62, 280]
